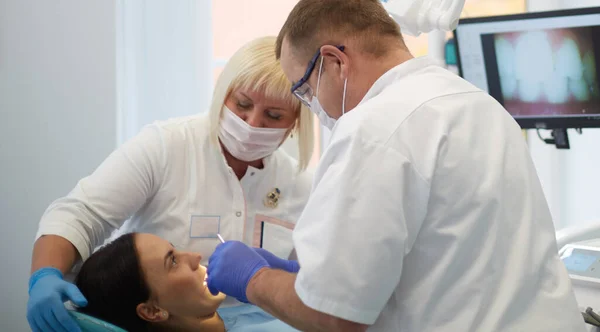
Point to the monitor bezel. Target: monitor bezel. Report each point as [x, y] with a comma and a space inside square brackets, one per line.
[536, 122]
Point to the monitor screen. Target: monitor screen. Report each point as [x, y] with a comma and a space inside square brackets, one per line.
[542, 67]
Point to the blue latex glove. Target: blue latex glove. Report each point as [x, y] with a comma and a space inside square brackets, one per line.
[231, 267]
[47, 293]
[278, 263]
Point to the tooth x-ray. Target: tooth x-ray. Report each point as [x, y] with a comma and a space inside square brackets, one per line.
[546, 72]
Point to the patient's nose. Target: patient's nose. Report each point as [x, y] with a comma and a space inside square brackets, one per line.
[194, 260]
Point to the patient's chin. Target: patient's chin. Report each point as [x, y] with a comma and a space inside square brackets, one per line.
[214, 298]
[208, 304]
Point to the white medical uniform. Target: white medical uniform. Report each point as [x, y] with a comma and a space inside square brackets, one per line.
[427, 215]
[172, 181]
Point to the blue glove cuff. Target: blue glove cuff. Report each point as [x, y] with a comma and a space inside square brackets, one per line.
[293, 266]
[39, 274]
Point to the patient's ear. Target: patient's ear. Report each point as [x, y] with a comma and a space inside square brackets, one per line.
[151, 313]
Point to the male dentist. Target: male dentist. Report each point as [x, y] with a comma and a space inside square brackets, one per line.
[426, 212]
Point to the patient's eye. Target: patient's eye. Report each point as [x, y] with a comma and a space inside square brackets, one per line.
[173, 260]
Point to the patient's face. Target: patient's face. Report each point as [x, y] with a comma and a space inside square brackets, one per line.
[175, 278]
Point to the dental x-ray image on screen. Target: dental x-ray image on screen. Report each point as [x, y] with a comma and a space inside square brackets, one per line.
[551, 72]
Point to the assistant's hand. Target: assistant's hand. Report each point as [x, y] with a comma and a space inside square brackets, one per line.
[231, 267]
[47, 293]
[278, 263]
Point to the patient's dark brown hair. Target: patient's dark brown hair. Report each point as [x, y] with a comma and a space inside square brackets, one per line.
[113, 283]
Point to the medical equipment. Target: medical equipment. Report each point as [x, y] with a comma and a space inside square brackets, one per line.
[542, 67]
[418, 16]
[583, 264]
[578, 234]
[579, 249]
[590, 317]
[220, 238]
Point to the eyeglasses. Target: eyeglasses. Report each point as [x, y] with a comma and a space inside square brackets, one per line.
[301, 89]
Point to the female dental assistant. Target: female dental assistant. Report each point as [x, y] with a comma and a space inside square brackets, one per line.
[186, 180]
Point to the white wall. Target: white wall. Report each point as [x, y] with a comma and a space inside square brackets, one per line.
[164, 61]
[571, 178]
[57, 121]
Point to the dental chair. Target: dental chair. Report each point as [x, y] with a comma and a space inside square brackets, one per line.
[90, 324]
[85, 322]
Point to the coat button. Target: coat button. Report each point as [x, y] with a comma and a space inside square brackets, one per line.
[239, 214]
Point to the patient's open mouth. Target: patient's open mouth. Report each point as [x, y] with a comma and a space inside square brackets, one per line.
[205, 278]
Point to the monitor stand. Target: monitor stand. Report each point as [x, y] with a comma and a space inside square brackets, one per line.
[560, 138]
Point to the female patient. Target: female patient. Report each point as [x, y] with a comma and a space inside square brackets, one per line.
[139, 282]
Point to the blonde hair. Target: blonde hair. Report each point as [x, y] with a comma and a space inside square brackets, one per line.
[254, 67]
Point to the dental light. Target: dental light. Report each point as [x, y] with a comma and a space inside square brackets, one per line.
[418, 16]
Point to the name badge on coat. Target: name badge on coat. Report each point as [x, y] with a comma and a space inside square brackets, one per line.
[274, 235]
[205, 227]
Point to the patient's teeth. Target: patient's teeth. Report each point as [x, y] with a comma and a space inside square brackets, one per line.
[506, 52]
[557, 89]
[589, 68]
[532, 71]
[506, 67]
[530, 90]
[580, 89]
[533, 68]
[568, 60]
[508, 84]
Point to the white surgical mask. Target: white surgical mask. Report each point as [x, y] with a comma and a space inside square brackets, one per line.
[418, 16]
[315, 105]
[245, 142]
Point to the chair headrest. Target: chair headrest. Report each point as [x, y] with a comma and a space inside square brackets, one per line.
[91, 324]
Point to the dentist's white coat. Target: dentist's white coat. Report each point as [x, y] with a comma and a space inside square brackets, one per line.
[171, 180]
[427, 215]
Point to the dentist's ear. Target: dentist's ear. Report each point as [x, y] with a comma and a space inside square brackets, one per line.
[339, 58]
[151, 313]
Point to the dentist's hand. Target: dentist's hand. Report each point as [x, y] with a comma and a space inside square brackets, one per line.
[231, 267]
[47, 294]
[278, 263]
